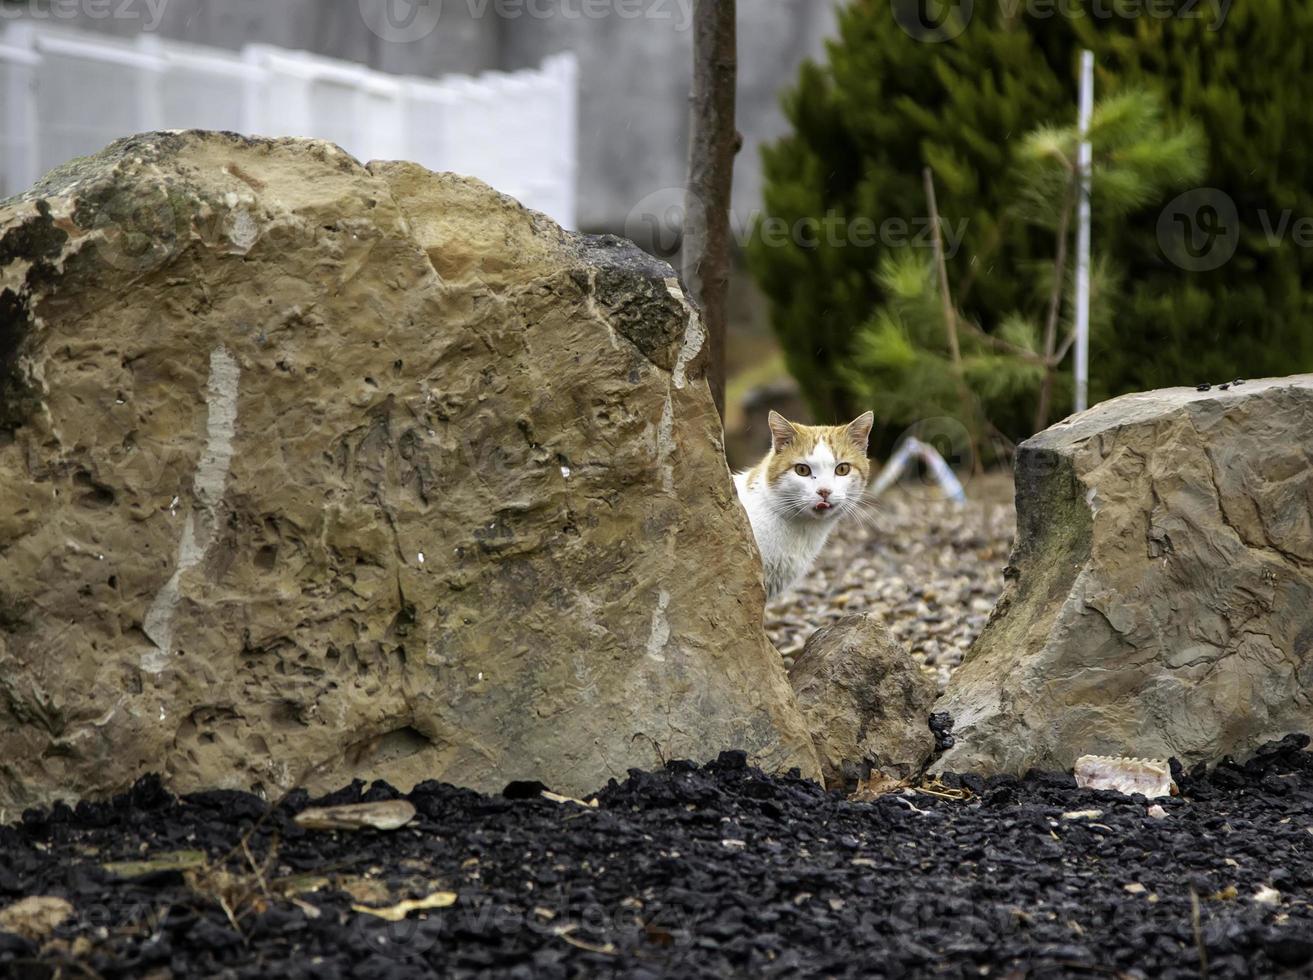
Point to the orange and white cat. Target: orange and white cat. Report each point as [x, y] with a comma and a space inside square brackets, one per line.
[812, 476]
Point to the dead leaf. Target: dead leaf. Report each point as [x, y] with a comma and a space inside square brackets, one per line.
[910, 805]
[300, 884]
[557, 798]
[34, 917]
[936, 787]
[365, 890]
[395, 913]
[877, 784]
[564, 932]
[382, 815]
[166, 861]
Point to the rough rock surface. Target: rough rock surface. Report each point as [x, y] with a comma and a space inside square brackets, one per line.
[866, 700]
[311, 470]
[1161, 594]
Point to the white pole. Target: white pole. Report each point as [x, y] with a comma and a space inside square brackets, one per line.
[1083, 234]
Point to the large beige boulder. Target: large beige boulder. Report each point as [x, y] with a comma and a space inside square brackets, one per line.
[311, 470]
[866, 701]
[1161, 593]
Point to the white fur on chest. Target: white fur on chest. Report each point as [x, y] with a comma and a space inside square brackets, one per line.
[787, 548]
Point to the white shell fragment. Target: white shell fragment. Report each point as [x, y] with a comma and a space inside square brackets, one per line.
[1149, 777]
[381, 815]
[1267, 895]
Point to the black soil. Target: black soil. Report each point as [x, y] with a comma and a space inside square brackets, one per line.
[717, 871]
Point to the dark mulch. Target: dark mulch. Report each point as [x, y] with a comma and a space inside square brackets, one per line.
[714, 871]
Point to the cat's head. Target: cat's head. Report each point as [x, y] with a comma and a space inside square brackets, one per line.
[816, 472]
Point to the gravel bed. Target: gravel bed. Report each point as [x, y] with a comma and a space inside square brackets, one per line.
[933, 570]
[717, 871]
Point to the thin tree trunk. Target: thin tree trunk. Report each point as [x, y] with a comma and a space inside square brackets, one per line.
[1055, 309]
[945, 297]
[713, 142]
[950, 319]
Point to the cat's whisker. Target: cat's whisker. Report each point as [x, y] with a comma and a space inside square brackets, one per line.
[870, 502]
[873, 523]
[867, 515]
[870, 521]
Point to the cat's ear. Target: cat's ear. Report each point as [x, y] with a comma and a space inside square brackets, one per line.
[859, 430]
[782, 432]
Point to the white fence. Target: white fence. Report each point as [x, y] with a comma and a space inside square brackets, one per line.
[65, 94]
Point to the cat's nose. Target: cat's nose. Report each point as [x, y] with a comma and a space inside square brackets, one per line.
[825, 494]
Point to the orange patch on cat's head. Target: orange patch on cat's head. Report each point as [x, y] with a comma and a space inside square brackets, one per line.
[793, 443]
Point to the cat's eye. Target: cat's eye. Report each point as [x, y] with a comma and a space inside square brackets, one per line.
[802, 469]
[842, 469]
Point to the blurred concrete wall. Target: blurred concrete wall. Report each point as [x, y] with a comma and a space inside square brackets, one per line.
[635, 63]
[635, 73]
[464, 40]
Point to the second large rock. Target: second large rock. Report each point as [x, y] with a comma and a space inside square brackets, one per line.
[1161, 593]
